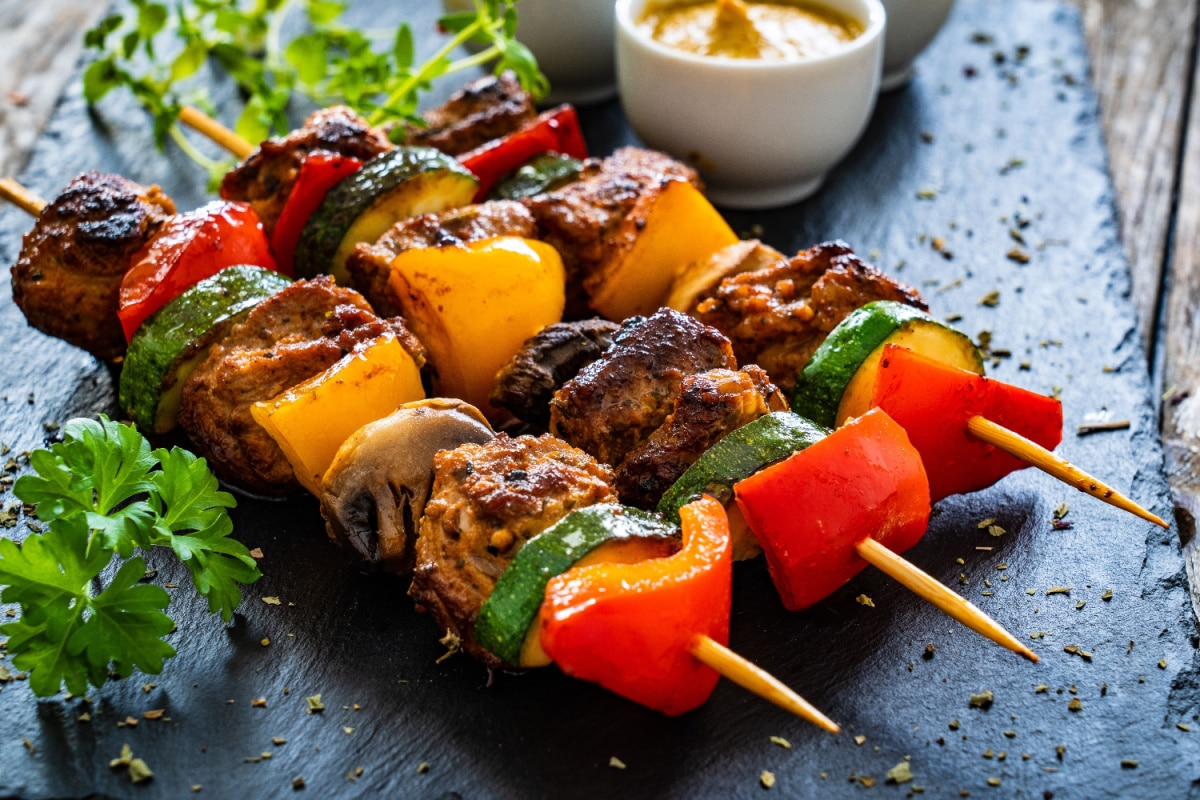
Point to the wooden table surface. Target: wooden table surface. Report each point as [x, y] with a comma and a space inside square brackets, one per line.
[1144, 68]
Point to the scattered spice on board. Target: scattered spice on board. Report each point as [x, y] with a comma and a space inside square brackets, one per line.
[989, 753]
[982, 700]
[993, 781]
[866, 780]
[258, 702]
[1060, 751]
[782, 742]
[297, 783]
[1058, 590]
[858, 740]
[423, 767]
[929, 652]
[953, 725]
[155, 713]
[767, 779]
[271, 601]
[1075, 705]
[1129, 763]
[139, 771]
[1108, 595]
[1010, 734]
[1041, 688]
[256, 553]
[1018, 255]
[863, 600]
[901, 773]
[991, 299]
[314, 704]
[1183, 726]
[1162, 663]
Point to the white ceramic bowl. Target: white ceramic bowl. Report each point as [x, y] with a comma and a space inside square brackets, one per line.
[573, 43]
[911, 26]
[762, 133]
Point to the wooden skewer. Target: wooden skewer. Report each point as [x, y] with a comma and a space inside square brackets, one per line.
[758, 681]
[200, 122]
[21, 197]
[1033, 453]
[929, 589]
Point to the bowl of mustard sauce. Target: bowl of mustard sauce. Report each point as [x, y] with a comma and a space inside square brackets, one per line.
[763, 97]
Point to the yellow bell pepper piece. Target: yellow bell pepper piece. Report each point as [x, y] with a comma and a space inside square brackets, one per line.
[665, 231]
[474, 305]
[310, 421]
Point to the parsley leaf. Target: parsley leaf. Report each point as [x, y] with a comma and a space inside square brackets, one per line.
[104, 492]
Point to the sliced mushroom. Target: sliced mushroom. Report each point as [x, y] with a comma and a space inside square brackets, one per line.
[375, 491]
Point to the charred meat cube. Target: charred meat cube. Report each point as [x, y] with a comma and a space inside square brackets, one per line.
[67, 278]
[617, 401]
[483, 110]
[778, 316]
[487, 501]
[708, 406]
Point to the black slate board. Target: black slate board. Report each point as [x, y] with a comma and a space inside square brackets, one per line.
[1018, 136]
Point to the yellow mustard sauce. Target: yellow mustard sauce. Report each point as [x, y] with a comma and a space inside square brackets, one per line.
[750, 29]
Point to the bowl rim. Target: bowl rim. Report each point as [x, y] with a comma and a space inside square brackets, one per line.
[876, 24]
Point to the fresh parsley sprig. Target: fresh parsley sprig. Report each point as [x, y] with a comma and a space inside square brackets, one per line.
[103, 494]
[156, 52]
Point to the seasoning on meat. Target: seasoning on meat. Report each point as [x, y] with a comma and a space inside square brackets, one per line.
[482, 110]
[778, 316]
[581, 219]
[487, 501]
[698, 280]
[265, 179]
[288, 338]
[371, 264]
[68, 276]
[708, 406]
[527, 383]
[617, 401]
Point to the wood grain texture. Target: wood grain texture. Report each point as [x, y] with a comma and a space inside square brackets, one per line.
[41, 42]
[1141, 56]
[1180, 353]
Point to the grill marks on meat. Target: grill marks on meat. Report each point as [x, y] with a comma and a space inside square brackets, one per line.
[527, 383]
[265, 179]
[778, 316]
[708, 406]
[371, 264]
[617, 401]
[288, 338]
[68, 276]
[581, 220]
[487, 501]
[482, 110]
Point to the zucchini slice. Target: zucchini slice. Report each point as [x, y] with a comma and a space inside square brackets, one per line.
[738, 455]
[837, 382]
[540, 174]
[606, 533]
[168, 346]
[401, 183]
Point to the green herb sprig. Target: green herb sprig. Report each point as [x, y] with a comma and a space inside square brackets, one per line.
[156, 52]
[103, 494]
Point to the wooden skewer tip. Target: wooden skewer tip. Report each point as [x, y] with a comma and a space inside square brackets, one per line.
[928, 588]
[1033, 453]
[757, 680]
[202, 123]
[21, 197]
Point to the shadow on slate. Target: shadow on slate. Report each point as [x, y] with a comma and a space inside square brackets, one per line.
[997, 134]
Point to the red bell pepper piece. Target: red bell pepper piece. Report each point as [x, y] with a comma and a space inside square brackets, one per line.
[933, 402]
[630, 627]
[187, 249]
[319, 172]
[553, 131]
[863, 480]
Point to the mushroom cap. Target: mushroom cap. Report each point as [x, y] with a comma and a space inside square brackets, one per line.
[374, 493]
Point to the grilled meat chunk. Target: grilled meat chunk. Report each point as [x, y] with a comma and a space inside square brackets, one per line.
[554, 355]
[286, 339]
[487, 501]
[482, 110]
[708, 406]
[618, 400]
[581, 220]
[68, 274]
[265, 179]
[370, 264]
[778, 316]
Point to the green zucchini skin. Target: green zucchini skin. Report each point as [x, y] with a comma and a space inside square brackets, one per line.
[738, 455]
[403, 182]
[823, 381]
[169, 344]
[540, 174]
[512, 607]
